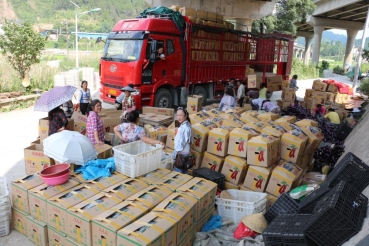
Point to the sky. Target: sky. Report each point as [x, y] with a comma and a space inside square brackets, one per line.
[343, 32]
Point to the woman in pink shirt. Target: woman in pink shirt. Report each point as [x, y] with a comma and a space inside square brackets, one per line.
[319, 110]
[95, 127]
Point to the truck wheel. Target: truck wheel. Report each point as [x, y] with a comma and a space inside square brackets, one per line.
[200, 90]
[163, 99]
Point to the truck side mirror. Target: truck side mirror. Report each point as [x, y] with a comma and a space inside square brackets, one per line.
[98, 40]
[153, 51]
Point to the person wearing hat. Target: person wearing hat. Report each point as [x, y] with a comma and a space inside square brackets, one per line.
[120, 98]
[128, 103]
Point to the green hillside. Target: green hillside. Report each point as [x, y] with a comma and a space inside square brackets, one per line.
[53, 12]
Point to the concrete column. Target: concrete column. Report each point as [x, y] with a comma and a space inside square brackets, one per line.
[243, 24]
[301, 52]
[318, 30]
[351, 36]
[307, 50]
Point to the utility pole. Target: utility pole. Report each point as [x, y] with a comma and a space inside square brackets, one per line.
[67, 37]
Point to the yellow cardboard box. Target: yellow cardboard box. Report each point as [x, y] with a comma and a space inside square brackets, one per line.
[151, 196]
[34, 159]
[127, 188]
[318, 85]
[198, 117]
[230, 186]
[257, 178]
[329, 96]
[212, 162]
[257, 126]
[267, 116]
[285, 176]
[173, 180]
[155, 132]
[270, 200]
[194, 104]
[332, 88]
[197, 158]
[153, 176]
[234, 169]
[200, 133]
[37, 231]
[263, 150]
[315, 137]
[288, 94]
[286, 118]
[248, 117]
[276, 131]
[218, 142]
[19, 220]
[288, 126]
[170, 138]
[56, 238]
[238, 139]
[293, 145]
[307, 122]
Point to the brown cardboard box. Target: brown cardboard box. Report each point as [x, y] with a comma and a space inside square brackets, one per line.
[247, 106]
[236, 111]
[270, 200]
[127, 188]
[37, 197]
[72, 242]
[263, 150]
[112, 138]
[285, 177]
[267, 116]
[332, 88]
[151, 196]
[275, 83]
[80, 122]
[57, 206]
[213, 112]
[103, 151]
[189, 240]
[38, 141]
[154, 132]
[329, 96]
[309, 93]
[257, 178]
[204, 191]
[315, 137]
[19, 220]
[341, 98]
[286, 118]
[35, 160]
[181, 208]
[19, 191]
[37, 231]
[308, 100]
[159, 230]
[106, 225]
[238, 139]
[318, 85]
[218, 142]
[56, 238]
[200, 133]
[194, 104]
[293, 145]
[285, 83]
[257, 126]
[170, 138]
[307, 122]
[43, 127]
[276, 131]
[247, 117]
[288, 94]
[103, 182]
[198, 117]
[198, 158]
[212, 162]
[252, 81]
[79, 216]
[318, 97]
[336, 106]
[110, 123]
[230, 186]
[159, 111]
[203, 220]
[234, 122]
[234, 169]
[283, 104]
[288, 126]
[173, 180]
[218, 121]
[153, 176]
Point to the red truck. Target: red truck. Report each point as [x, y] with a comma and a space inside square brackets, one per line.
[200, 60]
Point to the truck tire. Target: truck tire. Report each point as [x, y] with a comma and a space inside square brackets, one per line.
[201, 91]
[163, 99]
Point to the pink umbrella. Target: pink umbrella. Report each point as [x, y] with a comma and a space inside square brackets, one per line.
[54, 98]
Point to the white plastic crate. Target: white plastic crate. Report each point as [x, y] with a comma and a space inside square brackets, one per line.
[137, 158]
[5, 225]
[4, 191]
[244, 203]
[166, 161]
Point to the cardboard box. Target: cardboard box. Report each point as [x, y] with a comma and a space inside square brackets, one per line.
[19, 220]
[257, 126]
[288, 94]
[110, 123]
[315, 137]
[263, 150]
[234, 169]
[309, 93]
[173, 180]
[276, 131]
[112, 139]
[283, 104]
[248, 117]
[155, 132]
[285, 83]
[341, 98]
[204, 191]
[106, 225]
[170, 138]
[37, 231]
[80, 126]
[72, 242]
[203, 220]
[332, 88]
[238, 139]
[329, 96]
[252, 81]
[198, 117]
[270, 200]
[286, 118]
[200, 133]
[181, 208]
[37, 197]
[127, 188]
[307, 122]
[275, 83]
[212, 162]
[198, 157]
[236, 111]
[267, 116]
[318, 85]
[257, 178]
[218, 121]
[36, 142]
[151, 196]
[19, 191]
[293, 145]
[103, 182]
[151, 229]
[285, 177]
[244, 188]
[230, 186]
[56, 238]
[35, 160]
[189, 240]
[336, 106]
[43, 128]
[194, 104]
[234, 122]
[57, 206]
[218, 142]
[79, 216]
[103, 151]
[159, 111]
[155, 175]
[288, 126]
[212, 112]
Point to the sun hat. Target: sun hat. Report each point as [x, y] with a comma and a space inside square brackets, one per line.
[255, 222]
[128, 88]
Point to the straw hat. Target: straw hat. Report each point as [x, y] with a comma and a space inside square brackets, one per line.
[255, 222]
[128, 88]
[226, 195]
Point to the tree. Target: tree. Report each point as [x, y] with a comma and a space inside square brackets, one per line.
[21, 46]
[288, 13]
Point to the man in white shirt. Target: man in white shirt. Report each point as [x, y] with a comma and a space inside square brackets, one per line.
[160, 54]
[240, 93]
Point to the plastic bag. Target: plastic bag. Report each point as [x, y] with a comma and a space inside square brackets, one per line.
[214, 223]
[243, 231]
[303, 190]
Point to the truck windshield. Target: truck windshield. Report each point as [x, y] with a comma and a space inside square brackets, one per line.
[122, 50]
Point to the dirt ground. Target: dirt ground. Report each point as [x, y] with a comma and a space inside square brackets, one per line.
[19, 129]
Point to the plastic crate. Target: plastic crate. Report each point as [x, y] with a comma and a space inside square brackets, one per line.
[211, 175]
[272, 235]
[351, 169]
[136, 158]
[166, 161]
[243, 203]
[285, 204]
[307, 205]
[5, 225]
[294, 234]
[343, 131]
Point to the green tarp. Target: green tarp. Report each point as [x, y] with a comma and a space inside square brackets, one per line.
[176, 16]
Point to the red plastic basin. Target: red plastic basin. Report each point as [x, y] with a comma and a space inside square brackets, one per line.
[55, 169]
[58, 180]
[55, 175]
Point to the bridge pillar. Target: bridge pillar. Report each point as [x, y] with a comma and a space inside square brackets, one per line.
[307, 50]
[243, 24]
[351, 36]
[318, 30]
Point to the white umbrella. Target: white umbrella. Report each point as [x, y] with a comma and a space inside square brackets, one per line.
[69, 147]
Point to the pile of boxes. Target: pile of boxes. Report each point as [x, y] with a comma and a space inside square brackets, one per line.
[158, 207]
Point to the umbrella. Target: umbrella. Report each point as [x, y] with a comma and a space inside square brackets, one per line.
[69, 147]
[54, 98]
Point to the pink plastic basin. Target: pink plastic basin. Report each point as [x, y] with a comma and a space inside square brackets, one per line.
[55, 169]
[56, 180]
[56, 174]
